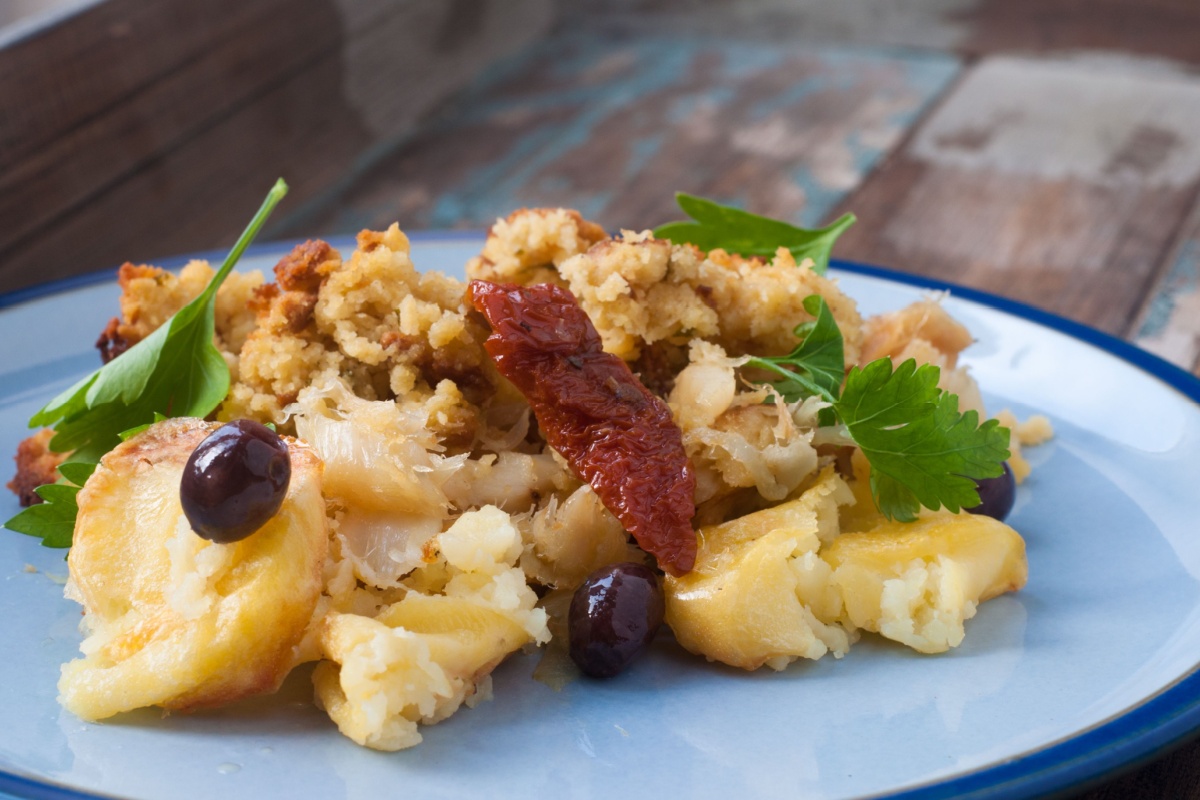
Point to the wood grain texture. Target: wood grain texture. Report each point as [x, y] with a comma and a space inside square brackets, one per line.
[200, 196]
[68, 73]
[1169, 325]
[180, 163]
[936, 24]
[71, 169]
[1060, 183]
[1164, 29]
[1168, 29]
[614, 126]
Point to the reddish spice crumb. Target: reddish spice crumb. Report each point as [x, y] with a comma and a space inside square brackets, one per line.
[305, 267]
[615, 434]
[37, 464]
[111, 343]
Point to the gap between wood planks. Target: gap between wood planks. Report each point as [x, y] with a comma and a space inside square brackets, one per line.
[1168, 324]
[1057, 181]
[611, 125]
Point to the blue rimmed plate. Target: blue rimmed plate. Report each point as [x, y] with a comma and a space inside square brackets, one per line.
[1090, 668]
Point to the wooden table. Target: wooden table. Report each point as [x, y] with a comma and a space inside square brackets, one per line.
[1046, 150]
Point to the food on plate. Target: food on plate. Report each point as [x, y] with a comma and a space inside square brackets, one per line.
[175, 620]
[418, 654]
[613, 617]
[760, 594]
[997, 495]
[693, 423]
[234, 481]
[917, 582]
[613, 432]
[37, 465]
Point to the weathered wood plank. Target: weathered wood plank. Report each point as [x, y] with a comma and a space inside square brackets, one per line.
[65, 74]
[1163, 28]
[1167, 29]
[200, 196]
[1057, 182]
[278, 39]
[1169, 324]
[315, 127]
[938, 24]
[614, 126]
[388, 86]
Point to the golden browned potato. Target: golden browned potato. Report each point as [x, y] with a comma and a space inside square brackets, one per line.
[917, 582]
[759, 594]
[173, 619]
[784, 582]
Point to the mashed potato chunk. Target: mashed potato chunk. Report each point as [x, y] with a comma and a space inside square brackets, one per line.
[422, 657]
[918, 582]
[784, 582]
[758, 594]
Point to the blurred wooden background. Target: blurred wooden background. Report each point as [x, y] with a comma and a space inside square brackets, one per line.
[1047, 150]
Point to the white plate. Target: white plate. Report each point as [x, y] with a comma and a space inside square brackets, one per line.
[1088, 668]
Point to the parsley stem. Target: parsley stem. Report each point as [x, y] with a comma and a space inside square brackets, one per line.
[273, 197]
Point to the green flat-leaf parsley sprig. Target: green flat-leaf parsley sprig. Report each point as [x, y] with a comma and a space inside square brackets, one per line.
[817, 366]
[735, 231]
[922, 451]
[176, 371]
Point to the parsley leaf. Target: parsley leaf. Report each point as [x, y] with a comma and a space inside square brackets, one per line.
[922, 451]
[52, 520]
[817, 365]
[175, 371]
[741, 232]
[77, 472]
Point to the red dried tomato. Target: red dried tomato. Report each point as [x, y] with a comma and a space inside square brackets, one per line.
[613, 432]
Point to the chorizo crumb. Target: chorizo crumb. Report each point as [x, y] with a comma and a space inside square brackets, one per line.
[111, 343]
[37, 465]
[306, 266]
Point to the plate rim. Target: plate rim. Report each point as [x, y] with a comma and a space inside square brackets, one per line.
[1145, 731]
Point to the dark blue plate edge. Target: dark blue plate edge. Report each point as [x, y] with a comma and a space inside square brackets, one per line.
[1143, 733]
[1135, 737]
[34, 789]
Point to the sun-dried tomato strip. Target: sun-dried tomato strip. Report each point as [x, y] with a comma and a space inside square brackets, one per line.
[613, 432]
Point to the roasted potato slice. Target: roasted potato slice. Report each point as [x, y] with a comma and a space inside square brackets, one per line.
[175, 620]
[784, 582]
[759, 594]
[917, 582]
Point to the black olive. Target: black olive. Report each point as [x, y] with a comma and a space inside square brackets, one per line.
[996, 495]
[235, 480]
[613, 617]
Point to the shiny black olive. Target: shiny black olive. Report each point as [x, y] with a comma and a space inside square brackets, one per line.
[996, 495]
[235, 480]
[613, 617]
